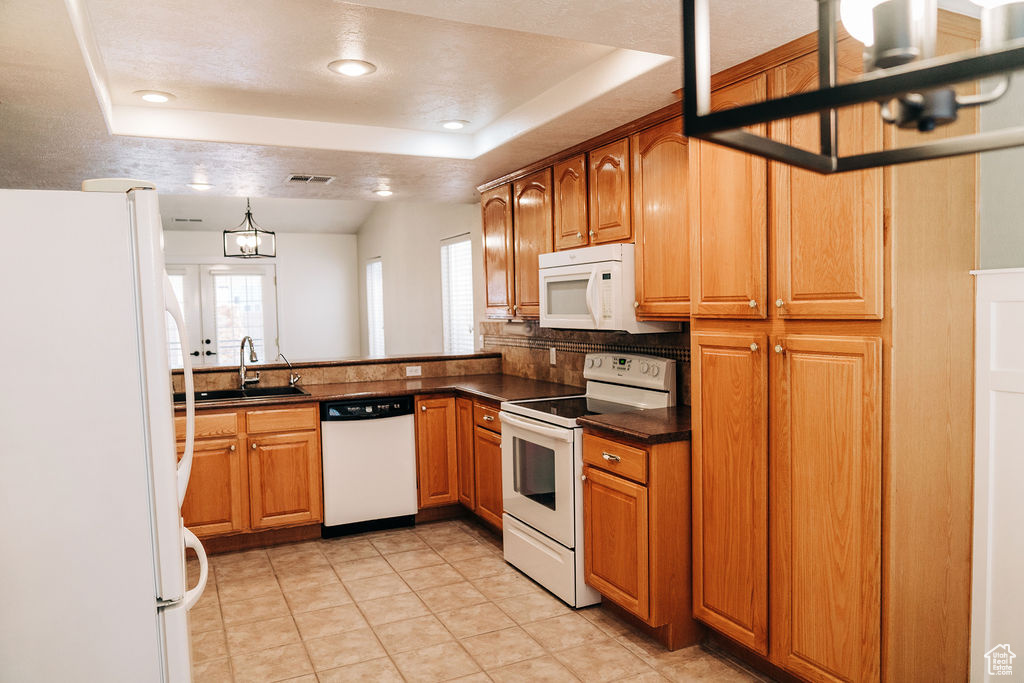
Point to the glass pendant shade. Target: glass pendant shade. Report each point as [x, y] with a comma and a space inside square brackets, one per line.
[249, 240]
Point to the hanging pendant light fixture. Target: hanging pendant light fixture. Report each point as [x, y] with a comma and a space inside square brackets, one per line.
[249, 240]
[903, 75]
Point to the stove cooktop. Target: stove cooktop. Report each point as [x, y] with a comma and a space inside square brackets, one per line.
[575, 406]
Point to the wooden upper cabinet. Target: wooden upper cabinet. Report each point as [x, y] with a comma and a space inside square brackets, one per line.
[216, 501]
[496, 208]
[436, 451]
[661, 222]
[464, 448]
[609, 193]
[487, 468]
[615, 524]
[285, 483]
[730, 485]
[826, 230]
[570, 200]
[729, 218]
[826, 506]
[533, 237]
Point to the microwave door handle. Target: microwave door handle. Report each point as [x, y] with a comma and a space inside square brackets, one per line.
[592, 305]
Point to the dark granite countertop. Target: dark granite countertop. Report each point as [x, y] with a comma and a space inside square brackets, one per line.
[490, 387]
[657, 425]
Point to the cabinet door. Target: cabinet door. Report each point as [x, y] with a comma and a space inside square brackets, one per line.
[729, 219]
[615, 550]
[285, 484]
[496, 207]
[730, 485]
[661, 221]
[464, 447]
[609, 193]
[533, 237]
[487, 452]
[570, 200]
[826, 230]
[436, 451]
[826, 506]
[215, 502]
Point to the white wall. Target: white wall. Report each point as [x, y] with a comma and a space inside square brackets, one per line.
[1002, 202]
[317, 288]
[407, 237]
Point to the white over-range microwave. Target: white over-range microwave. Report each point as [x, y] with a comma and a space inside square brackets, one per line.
[592, 288]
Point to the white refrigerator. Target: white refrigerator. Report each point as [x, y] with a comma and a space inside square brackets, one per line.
[92, 545]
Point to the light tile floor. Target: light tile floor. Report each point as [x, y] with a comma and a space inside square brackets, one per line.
[434, 603]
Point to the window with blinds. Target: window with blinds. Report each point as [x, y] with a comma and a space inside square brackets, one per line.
[375, 306]
[457, 294]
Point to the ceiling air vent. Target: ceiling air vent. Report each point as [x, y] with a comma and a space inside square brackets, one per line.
[307, 179]
[187, 220]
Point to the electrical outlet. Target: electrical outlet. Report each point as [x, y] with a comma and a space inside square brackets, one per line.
[413, 370]
[552, 355]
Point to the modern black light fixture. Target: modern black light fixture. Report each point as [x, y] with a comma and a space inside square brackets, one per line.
[249, 240]
[902, 74]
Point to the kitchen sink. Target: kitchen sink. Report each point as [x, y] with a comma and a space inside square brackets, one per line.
[238, 394]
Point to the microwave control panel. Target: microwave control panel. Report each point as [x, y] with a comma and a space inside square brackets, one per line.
[630, 369]
[606, 296]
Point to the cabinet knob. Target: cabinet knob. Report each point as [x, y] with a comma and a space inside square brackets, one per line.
[488, 418]
[232, 446]
[754, 347]
[591, 233]
[778, 348]
[583, 477]
[254, 446]
[636, 304]
[611, 458]
[779, 303]
[753, 303]
[423, 408]
[515, 308]
[579, 235]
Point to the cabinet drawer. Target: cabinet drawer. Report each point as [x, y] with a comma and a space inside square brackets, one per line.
[209, 425]
[612, 456]
[487, 417]
[281, 419]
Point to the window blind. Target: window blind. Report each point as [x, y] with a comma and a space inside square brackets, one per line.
[457, 294]
[375, 306]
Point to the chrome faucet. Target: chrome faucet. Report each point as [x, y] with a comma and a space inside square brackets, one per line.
[242, 379]
[292, 377]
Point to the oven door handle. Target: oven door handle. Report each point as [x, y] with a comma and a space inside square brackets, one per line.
[557, 433]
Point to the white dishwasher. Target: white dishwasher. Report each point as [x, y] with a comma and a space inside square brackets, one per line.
[369, 463]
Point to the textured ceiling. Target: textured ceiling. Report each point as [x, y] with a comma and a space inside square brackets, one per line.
[202, 212]
[54, 135]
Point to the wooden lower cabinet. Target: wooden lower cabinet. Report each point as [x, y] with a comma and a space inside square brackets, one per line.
[487, 459]
[285, 486]
[253, 469]
[794, 523]
[636, 532]
[615, 538]
[216, 501]
[464, 451]
[436, 451]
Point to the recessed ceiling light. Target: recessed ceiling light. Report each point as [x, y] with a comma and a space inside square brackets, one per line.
[383, 192]
[201, 187]
[454, 124]
[351, 67]
[155, 96]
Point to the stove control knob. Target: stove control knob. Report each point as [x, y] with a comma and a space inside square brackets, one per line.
[590, 362]
[655, 370]
[597, 362]
[644, 368]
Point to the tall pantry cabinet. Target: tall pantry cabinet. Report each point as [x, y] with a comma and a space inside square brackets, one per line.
[831, 333]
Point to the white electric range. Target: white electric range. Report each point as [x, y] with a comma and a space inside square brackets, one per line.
[542, 462]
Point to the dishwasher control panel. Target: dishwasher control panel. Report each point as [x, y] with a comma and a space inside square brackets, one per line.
[366, 409]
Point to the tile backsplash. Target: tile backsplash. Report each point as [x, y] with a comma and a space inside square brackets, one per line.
[526, 347]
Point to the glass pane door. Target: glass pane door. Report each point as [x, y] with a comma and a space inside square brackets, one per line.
[567, 297]
[534, 472]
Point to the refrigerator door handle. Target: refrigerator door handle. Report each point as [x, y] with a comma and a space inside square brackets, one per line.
[185, 466]
[192, 596]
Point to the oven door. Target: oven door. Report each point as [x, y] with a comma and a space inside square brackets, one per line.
[538, 463]
[580, 296]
